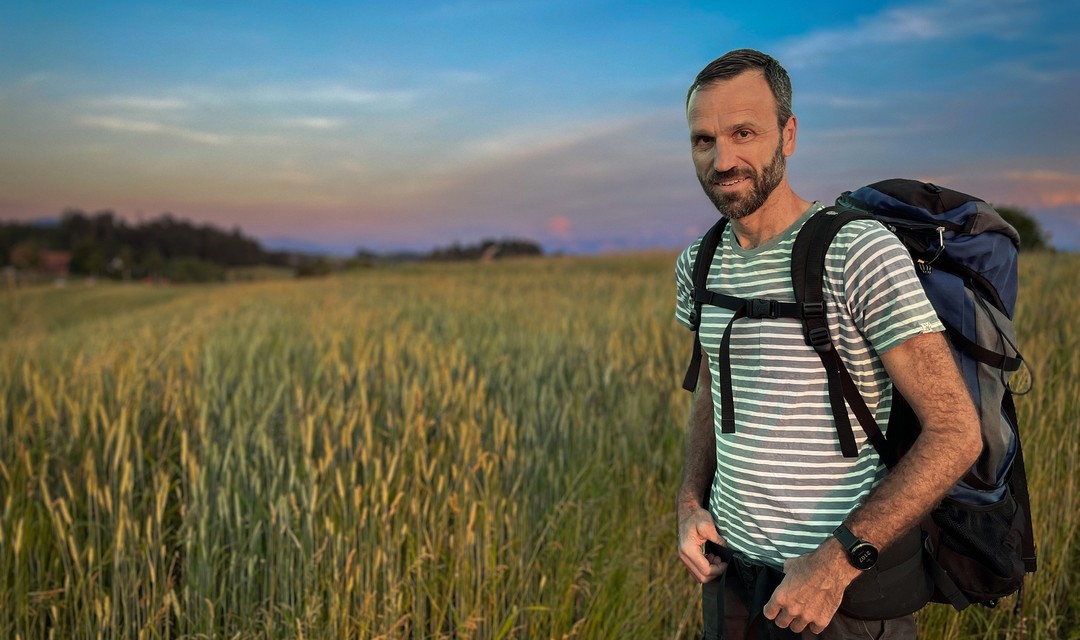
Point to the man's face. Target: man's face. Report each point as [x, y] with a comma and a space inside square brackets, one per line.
[739, 151]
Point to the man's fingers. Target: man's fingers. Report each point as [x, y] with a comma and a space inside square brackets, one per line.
[704, 567]
[788, 620]
[771, 609]
[716, 566]
[694, 531]
[696, 562]
[784, 621]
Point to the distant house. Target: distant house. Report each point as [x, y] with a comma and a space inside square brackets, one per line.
[56, 263]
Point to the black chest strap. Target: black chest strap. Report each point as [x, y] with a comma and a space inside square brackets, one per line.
[807, 273]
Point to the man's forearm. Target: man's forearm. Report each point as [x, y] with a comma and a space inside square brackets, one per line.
[946, 448]
[699, 463]
[910, 490]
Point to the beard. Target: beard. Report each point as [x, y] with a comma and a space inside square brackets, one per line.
[734, 206]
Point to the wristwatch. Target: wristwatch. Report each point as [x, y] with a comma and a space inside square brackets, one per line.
[861, 554]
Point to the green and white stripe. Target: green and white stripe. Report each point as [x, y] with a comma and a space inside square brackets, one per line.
[781, 484]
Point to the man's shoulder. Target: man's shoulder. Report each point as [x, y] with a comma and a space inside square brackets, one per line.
[863, 227]
[863, 233]
[684, 263]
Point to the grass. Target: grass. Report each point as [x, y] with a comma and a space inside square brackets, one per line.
[462, 451]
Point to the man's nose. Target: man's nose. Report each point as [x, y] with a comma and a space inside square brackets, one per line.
[724, 157]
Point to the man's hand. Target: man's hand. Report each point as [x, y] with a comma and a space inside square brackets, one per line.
[699, 466]
[695, 527]
[812, 589]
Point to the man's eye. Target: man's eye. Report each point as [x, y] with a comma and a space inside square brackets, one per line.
[702, 141]
[743, 134]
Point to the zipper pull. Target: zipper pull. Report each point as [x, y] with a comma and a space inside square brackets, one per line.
[941, 246]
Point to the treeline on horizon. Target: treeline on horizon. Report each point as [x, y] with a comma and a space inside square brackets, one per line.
[167, 248]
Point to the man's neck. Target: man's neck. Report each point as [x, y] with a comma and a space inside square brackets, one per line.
[774, 217]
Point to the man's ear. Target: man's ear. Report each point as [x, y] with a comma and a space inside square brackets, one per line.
[788, 132]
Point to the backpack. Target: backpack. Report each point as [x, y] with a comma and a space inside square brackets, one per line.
[978, 542]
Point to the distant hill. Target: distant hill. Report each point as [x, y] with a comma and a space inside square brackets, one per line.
[488, 250]
[168, 248]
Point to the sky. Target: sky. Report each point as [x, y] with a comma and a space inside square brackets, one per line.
[338, 126]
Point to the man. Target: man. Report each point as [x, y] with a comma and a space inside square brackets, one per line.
[774, 492]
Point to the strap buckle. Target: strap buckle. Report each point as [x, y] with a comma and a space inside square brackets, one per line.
[819, 339]
[813, 310]
[762, 308]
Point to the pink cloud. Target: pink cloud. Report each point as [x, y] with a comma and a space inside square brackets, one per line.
[559, 226]
[1048, 188]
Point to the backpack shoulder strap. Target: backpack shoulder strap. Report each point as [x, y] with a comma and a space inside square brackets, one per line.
[702, 262]
[808, 280]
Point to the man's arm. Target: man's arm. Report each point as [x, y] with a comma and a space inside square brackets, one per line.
[699, 466]
[923, 370]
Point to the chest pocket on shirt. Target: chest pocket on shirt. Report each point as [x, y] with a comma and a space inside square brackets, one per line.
[745, 350]
[782, 352]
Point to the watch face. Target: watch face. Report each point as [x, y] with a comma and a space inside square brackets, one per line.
[864, 555]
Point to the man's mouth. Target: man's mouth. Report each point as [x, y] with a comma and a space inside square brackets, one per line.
[729, 183]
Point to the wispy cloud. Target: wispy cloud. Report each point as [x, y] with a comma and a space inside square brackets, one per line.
[294, 178]
[869, 133]
[839, 101]
[145, 103]
[125, 125]
[911, 24]
[1054, 188]
[324, 93]
[1026, 71]
[316, 123]
[519, 144]
[332, 93]
[39, 78]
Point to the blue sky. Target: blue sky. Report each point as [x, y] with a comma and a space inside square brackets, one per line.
[409, 125]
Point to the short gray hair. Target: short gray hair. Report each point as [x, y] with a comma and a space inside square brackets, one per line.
[739, 61]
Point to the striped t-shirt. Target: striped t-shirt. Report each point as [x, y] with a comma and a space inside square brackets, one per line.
[781, 483]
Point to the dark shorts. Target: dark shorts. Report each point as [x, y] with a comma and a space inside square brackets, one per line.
[736, 618]
[747, 586]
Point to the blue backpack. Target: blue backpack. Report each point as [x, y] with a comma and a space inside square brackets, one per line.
[978, 544]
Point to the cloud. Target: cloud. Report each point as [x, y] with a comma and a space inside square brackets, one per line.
[332, 93]
[1051, 188]
[872, 134]
[911, 24]
[1028, 72]
[147, 103]
[39, 78]
[125, 125]
[839, 102]
[317, 123]
[540, 141]
[294, 178]
[559, 226]
[585, 184]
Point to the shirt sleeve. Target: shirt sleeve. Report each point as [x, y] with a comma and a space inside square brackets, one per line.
[684, 284]
[880, 286]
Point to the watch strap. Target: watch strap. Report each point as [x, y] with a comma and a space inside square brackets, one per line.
[846, 538]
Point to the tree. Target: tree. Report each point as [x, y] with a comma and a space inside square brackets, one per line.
[1032, 236]
[153, 264]
[87, 258]
[26, 255]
